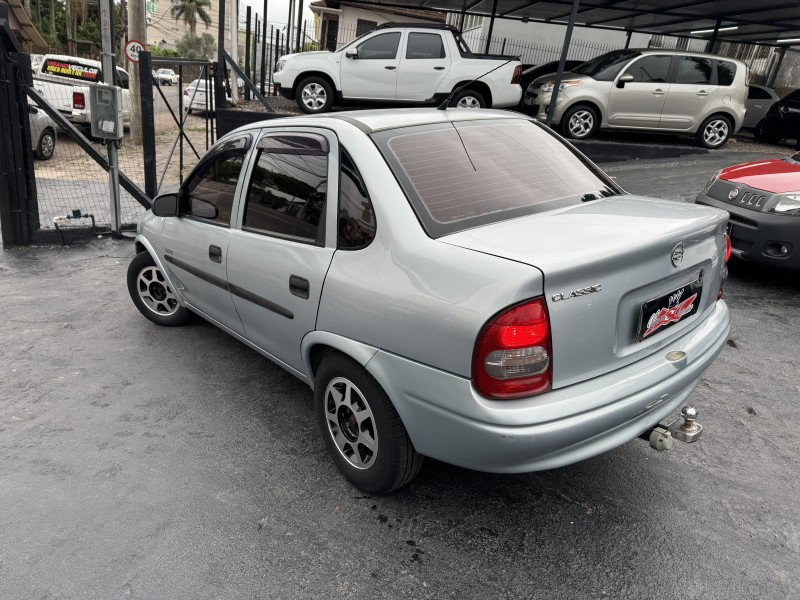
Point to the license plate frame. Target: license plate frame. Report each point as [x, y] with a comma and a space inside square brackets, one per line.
[666, 310]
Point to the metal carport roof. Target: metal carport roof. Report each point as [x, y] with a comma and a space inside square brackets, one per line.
[765, 21]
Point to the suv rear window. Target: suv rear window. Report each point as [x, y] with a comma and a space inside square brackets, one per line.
[462, 175]
[726, 72]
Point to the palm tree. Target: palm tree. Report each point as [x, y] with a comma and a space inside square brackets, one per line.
[189, 11]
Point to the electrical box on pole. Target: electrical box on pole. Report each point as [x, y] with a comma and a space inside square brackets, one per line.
[105, 106]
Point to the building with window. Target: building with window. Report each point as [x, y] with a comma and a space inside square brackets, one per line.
[339, 23]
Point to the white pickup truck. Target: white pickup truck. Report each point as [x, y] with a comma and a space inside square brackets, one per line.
[400, 63]
[64, 82]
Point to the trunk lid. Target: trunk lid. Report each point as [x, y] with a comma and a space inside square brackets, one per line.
[624, 244]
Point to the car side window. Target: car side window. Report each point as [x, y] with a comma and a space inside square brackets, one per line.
[383, 46]
[288, 187]
[356, 219]
[209, 192]
[694, 70]
[756, 93]
[726, 72]
[424, 45]
[650, 69]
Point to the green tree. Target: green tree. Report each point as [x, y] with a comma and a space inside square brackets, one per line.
[192, 46]
[189, 11]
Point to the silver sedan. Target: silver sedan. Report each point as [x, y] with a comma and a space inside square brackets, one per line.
[455, 284]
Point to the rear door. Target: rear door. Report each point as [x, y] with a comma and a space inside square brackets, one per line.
[640, 102]
[280, 253]
[691, 94]
[424, 65]
[196, 242]
[372, 73]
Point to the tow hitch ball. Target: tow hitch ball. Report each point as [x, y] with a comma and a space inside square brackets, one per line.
[660, 437]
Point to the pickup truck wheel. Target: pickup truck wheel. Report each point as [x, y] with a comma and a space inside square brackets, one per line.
[468, 99]
[361, 428]
[314, 95]
[152, 293]
[579, 122]
[46, 145]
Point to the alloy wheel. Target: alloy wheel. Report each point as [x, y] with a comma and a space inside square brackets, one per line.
[468, 102]
[581, 123]
[716, 132]
[155, 292]
[351, 423]
[314, 96]
[47, 145]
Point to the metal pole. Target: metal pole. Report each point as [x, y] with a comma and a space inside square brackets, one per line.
[148, 124]
[491, 27]
[562, 61]
[299, 48]
[713, 39]
[219, 73]
[273, 51]
[183, 120]
[264, 40]
[109, 70]
[255, 53]
[247, 52]
[289, 27]
[628, 39]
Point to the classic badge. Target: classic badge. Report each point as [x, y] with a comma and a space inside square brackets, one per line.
[677, 255]
[733, 193]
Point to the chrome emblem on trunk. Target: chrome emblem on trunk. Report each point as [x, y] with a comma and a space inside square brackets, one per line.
[733, 193]
[677, 255]
[591, 289]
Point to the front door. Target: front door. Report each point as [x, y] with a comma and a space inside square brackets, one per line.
[371, 71]
[691, 94]
[423, 66]
[640, 102]
[279, 255]
[196, 242]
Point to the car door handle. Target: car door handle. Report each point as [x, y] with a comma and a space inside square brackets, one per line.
[299, 287]
[215, 253]
[702, 93]
[659, 92]
[438, 68]
[390, 68]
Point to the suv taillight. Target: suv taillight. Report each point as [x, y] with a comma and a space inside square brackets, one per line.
[517, 76]
[512, 354]
[725, 267]
[78, 100]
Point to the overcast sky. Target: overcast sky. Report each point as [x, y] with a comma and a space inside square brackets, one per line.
[278, 11]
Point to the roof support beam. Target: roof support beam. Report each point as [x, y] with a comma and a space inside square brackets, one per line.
[491, 27]
[562, 61]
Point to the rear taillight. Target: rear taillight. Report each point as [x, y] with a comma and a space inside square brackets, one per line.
[512, 354]
[724, 278]
[517, 76]
[186, 92]
[78, 100]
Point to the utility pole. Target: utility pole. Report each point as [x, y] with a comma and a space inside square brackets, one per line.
[109, 70]
[123, 34]
[137, 30]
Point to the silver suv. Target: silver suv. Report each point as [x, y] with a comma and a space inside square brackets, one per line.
[653, 89]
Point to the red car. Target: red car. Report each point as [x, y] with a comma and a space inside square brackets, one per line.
[763, 200]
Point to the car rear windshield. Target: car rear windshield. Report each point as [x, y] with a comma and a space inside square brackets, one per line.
[471, 173]
[606, 66]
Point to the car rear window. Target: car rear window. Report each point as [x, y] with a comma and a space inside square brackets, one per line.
[726, 72]
[471, 173]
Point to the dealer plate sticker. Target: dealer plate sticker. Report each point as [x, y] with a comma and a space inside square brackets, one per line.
[667, 310]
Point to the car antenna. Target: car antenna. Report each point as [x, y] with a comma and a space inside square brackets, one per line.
[444, 105]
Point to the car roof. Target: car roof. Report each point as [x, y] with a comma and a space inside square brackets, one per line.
[683, 53]
[378, 120]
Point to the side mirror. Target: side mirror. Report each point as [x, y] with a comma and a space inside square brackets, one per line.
[627, 78]
[165, 206]
[351, 54]
[33, 110]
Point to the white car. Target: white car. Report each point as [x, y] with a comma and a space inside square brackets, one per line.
[194, 96]
[166, 77]
[400, 63]
[759, 100]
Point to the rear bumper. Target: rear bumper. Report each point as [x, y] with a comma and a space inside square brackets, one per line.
[447, 420]
[758, 237]
[506, 95]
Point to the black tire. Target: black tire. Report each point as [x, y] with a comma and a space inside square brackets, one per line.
[468, 98]
[46, 145]
[771, 131]
[393, 461]
[757, 130]
[314, 95]
[152, 294]
[580, 122]
[714, 132]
